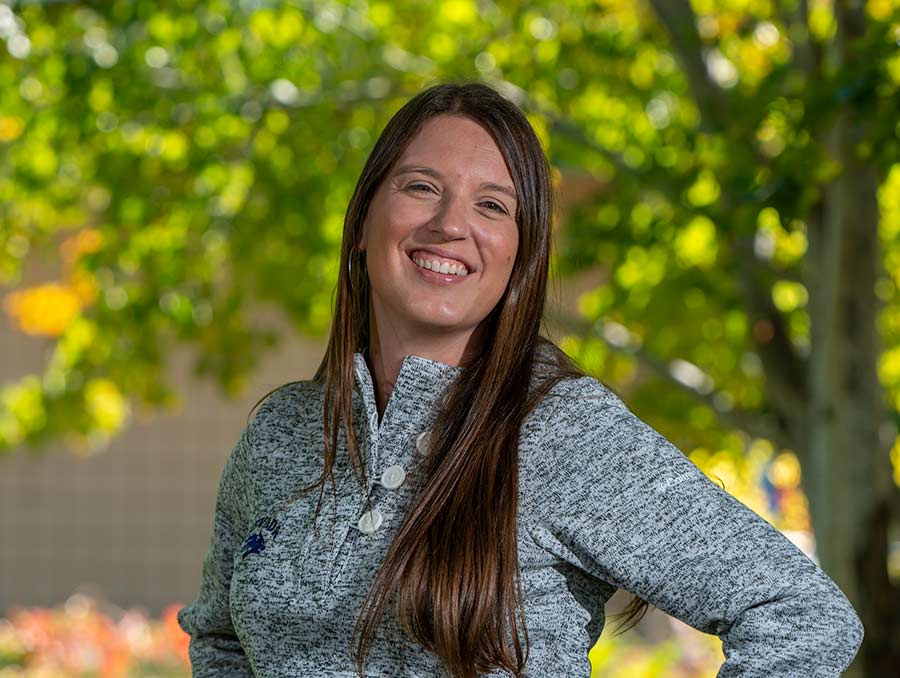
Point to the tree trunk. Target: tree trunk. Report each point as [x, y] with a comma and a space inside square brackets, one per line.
[848, 478]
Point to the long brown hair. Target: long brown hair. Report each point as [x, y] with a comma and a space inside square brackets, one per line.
[454, 569]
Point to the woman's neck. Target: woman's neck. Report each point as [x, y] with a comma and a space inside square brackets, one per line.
[385, 360]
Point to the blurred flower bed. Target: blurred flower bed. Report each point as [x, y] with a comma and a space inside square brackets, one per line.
[85, 638]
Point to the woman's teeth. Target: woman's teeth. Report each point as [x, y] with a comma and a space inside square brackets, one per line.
[438, 267]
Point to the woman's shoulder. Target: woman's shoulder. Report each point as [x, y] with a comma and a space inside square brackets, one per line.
[571, 388]
[290, 409]
[578, 396]
[284, 435]
[572, 404]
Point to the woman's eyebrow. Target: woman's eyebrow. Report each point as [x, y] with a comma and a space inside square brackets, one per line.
[404, 169]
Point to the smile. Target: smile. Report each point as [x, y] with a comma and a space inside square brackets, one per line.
[454, 274]
[430, 262]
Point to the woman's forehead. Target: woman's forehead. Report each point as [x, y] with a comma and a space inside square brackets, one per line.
[447, 145]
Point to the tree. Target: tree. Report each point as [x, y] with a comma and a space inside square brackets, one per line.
[199, 155]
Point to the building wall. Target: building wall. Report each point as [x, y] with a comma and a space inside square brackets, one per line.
[130, 524]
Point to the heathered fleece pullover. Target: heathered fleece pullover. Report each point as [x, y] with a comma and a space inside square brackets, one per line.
[606, 502]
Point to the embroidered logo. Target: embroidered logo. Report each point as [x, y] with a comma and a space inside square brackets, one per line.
[255, 541]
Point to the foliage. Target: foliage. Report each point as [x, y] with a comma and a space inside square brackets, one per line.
[186, 159]
[687, 654]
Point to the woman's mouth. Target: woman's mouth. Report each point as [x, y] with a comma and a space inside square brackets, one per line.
[432, 262]
[437, 270]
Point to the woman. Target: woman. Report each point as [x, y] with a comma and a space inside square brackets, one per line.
[487, 498]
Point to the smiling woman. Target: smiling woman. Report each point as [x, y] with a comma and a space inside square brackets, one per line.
[446, 205]
[488, 496]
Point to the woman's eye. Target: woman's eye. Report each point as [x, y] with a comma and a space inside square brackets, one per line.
[425, 186]
[493, 205]
[498, 207]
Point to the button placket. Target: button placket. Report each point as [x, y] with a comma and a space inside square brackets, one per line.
[375, 508]
[373, 452]
[370, 521]
[360, 523]
[393, 477]
[422, 442]
[396, 446]
[370, 408]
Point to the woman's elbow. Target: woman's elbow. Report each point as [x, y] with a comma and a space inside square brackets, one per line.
[843, 630]
[853, 631]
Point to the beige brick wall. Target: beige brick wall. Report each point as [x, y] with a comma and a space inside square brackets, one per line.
[131, 523]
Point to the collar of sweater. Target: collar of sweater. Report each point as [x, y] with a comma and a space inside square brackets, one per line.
[420, 384]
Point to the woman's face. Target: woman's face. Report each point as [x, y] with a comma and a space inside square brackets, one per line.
[448, 201]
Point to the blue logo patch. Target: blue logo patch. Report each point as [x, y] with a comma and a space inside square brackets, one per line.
[255, 541]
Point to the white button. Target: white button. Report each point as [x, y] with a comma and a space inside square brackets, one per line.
[393, 477]
[422, 442]
[370, 521]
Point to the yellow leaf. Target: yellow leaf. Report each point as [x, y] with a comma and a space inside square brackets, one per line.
[44, 309]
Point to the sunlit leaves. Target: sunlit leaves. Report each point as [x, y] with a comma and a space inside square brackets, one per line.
[105, 406]
[774, 242]
[822, 24]
[779, 127]
[895, 457]
[696, 243]
[279, 27]
[596, 302]
[629, 654]
[882, 10]
[212, 152]
[44, 310]
[704, 191]
[11, 128]
[641, 268]
[889, 202]
[889, 368]
[785, 475]
[788, 296]
[21, 410]
[459, 13]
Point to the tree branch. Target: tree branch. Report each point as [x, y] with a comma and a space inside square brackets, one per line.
[558, 123]
[617, 337]
[785, 370]
[809, 53]
[679, 19]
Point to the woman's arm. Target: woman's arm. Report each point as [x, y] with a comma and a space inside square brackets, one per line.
[215, 650]
[624, 504]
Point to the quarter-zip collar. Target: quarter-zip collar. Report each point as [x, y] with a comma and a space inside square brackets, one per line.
[420, 384]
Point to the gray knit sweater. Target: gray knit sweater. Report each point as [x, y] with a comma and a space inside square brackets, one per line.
[606, 502]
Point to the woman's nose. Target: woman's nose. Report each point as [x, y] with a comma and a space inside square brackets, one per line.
[452, 218]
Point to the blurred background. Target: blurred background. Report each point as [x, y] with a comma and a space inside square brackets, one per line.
[173, 180]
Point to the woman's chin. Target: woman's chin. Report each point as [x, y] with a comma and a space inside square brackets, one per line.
[438, 323]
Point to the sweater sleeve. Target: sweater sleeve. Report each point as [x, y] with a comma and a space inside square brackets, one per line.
[214, 649]
[627, 506]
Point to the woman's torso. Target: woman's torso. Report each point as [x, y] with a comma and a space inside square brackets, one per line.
[295, 594]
